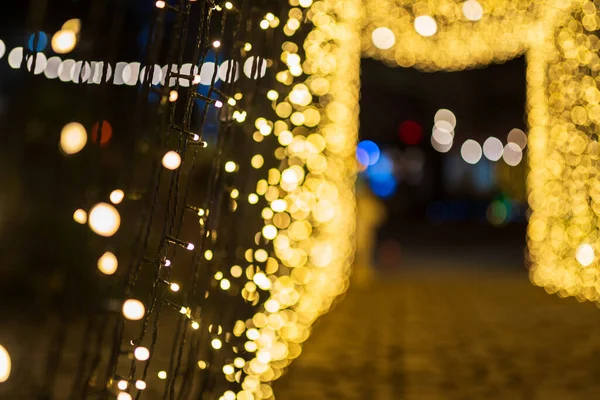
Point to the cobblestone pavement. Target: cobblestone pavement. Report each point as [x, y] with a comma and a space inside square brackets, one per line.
[464, 335]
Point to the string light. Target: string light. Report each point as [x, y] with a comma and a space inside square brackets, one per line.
[171, 160]
[80, 216]
[5, 364]
[140, 385]
[117, 196]
[141, 353]
[108, 263]
[73, 138]
[104, 219]
[133, 310]
[64, 41]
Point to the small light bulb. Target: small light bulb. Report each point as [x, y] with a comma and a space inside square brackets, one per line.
[248, 47]
[235, 194]
[208, 254]
[167, 263]
[124, 396]
[252, 198]
[171, 160]
[5, 364]
[73, 138]
[195, 137]
[133, 310]
[228, 369]
[225, 284]
[140, 385]
[197, 79]
[108, 263]
[104, 219]
[270, 17]
[239, 362]
[64, 41]
[123, 385]
[141, 354]
[231, 101]
[217, 44]
[173, 96]
[202, 364]
[190, 246]
[80, 216]
[160, 4]
[264, 24]
[174, 287]
[162, 375]
[195, 325]
[183, 310]
[117, 196]
[228, 5]
[216, 344]
[272, 95]
[218, 275]
[230, 166]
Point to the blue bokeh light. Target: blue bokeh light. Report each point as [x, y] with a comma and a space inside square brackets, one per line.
[371, 149]
[362, 156]
[383, 188]
[41, 43]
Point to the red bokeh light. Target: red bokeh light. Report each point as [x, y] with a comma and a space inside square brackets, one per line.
[410, 132]
[104, 136]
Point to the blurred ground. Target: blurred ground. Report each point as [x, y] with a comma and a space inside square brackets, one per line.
[449, 326]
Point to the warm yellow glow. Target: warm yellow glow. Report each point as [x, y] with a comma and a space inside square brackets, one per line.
[64, 41]
[269, 232]
[104, 219]
[123, 385]
[252, 198]
[236, 271]
[228, 369]
[425, 25]
[73, 25]
[108, 263]
[171, 160]
[133, 310]
[472, 10]
[174, 287]
[195, 325]
[117, 196]
[162, 375]
[202, 364]
[80, 216]
[230, 166]
[585, 255]
[383, 38]
[124, 396]
[216, 344]
[140, 385]
[208, 254]
[73, 138]
[5, 364]
[141, 353]
[225, 284]
[272, 95]
[234, 194]
[257, 161]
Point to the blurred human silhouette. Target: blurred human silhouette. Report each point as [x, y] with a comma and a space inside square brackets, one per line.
[371, 214]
